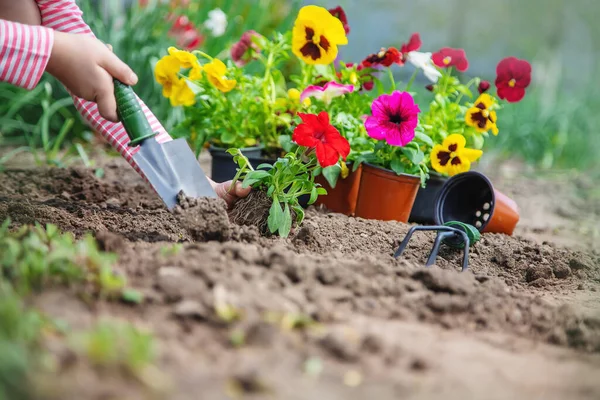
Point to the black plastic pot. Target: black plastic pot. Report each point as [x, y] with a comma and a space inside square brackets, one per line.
[471, 198]
[223, 167]
[423, 211]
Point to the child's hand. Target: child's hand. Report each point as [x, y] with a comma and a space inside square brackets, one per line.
[87, 67]
[230, 196]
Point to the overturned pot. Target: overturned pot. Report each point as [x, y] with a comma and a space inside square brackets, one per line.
[385, 195]
[471, 198]
[424, 208]
[342, 198]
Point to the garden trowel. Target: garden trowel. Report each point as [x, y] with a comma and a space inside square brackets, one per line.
[170, 167]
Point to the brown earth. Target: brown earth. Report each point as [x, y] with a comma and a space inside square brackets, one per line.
[328, 313]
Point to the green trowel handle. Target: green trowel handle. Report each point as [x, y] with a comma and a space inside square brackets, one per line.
[131, 114]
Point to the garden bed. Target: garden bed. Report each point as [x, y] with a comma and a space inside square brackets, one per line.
[327, 313]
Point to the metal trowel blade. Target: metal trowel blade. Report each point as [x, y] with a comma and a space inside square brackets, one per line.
[172, 167]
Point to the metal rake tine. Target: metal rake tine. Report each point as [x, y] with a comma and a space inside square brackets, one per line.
[412, 230]
[465, 264]
[436, 246]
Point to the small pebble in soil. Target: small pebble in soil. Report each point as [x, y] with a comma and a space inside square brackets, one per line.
[538, 272]
[205, 218]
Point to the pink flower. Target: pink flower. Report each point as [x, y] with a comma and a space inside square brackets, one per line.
[326, 93]
[243, 51]
[394, 118]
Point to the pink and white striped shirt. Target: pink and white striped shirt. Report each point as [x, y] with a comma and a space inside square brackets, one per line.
[25, 53]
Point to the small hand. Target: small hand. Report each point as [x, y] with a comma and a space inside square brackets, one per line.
[87, 67]
[229, 194]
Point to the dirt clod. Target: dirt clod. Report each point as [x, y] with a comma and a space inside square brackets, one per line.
[204, 218]
[538, 272]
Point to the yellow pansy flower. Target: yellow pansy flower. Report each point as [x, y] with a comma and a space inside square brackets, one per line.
[185, 58]
[165, 73]
[316, 35]
[182, 95]
[481, 116]
[452, 157]
[215, 72]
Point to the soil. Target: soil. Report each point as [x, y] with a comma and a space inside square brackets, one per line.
[327, 313]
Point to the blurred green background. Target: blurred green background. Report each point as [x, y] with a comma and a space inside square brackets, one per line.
[555, 127]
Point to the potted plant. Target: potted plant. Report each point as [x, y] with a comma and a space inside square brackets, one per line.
[457, 121]
[246, 102]
[273, 205]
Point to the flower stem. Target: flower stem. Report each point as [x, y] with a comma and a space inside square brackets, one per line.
[392, 80]
[202, 54]
[411, 80]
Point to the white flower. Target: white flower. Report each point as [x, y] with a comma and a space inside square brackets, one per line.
[423, 61]
[217, 22]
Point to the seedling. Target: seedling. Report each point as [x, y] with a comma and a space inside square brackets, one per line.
[453, 234]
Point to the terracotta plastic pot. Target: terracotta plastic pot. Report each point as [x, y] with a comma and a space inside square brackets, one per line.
[223, 167]
[471, 198]
[384, 195]
[342, 198]
[424, 208]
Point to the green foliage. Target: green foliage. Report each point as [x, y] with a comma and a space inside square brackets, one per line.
[284, 182]
[20, 331]
[112, 344]
[551, 129]
[41, 120]
[33, 257]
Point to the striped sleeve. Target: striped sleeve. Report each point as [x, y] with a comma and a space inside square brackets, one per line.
[24, 54]
[65, 16]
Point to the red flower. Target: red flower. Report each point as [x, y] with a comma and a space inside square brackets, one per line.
[316, 132]
[414, 44]
[340, 14]
[448, 57]
[186, 34]
[384, 57]
[513, 77]
[484, 86]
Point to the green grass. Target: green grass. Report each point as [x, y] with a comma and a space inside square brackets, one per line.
[551, 130]
[33, 258]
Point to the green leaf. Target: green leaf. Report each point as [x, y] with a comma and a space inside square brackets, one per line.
[258, 175]
[286, 223]
[228, 137]
[332, 174]
[270, 191]
[233, 151]
[397, 166]
[424, 138]
[464, 90]
[286, 142]
[275, 219]
[264, 166]
[414, 155]
[132, 296]
[313, 195]
[321, 191]
[249, 182]
[299, 214]
[478, 141]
